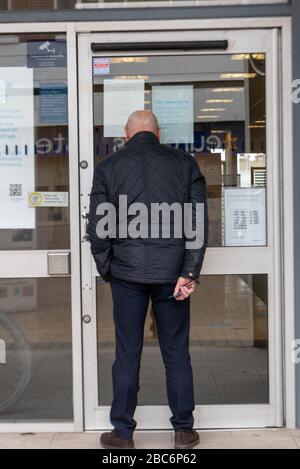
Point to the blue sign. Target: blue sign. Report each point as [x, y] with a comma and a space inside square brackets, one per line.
[46, 54]
[53, 103]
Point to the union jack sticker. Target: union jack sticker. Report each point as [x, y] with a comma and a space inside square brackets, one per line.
[101, 66]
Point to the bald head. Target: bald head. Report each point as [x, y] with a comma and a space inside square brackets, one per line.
[140, 121]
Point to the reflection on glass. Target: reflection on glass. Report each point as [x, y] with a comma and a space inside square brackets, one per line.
[37, 4]
[33, 142]
[228, 343]
[212, 106]
[68, 4]
[35, 349]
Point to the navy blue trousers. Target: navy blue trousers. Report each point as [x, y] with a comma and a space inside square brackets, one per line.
[130, 304]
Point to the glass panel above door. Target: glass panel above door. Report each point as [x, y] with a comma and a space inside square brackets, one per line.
[213, 106]
[34, 159]
[87, 4]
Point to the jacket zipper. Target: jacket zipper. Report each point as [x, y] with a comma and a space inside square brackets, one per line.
[146, 185]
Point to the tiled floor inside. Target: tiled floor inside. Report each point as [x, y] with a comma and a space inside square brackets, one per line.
[221, 376]
[262, 439]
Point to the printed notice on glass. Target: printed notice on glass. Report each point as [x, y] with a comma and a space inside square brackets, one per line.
[16, 147]
[48, 199]
[245, 216]
[53, 103]
[46, 54]
[174, 109]
[121, 98]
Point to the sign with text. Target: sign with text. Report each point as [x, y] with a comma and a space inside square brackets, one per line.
[16, 148]
[48, 199]
[174, 108]
[101, 66]
[245, 216]
[46, 54]
[53, 103]
[121, 98]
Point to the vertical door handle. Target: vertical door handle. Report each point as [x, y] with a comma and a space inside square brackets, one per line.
[85, 236]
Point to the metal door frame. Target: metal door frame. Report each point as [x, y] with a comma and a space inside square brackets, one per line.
[33, 264]
[234, 260]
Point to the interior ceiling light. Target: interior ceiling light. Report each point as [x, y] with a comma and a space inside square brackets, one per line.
[256, 126]
[248, 56]
[119, 60]
[131, 77]
[225, 101]
[208, 117]
[238, 75]
[227, 90]
[213, 109]
[219, 131]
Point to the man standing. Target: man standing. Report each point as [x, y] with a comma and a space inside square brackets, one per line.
[152, 264]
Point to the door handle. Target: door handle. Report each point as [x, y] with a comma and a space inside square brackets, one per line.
[59, 263]
[85, 236]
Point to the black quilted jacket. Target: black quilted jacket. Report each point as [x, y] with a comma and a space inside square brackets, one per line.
[149, 172]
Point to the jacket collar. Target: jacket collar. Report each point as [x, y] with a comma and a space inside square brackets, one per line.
[143, 137]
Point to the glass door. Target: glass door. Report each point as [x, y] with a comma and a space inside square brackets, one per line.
[220, 105]
[36, 377]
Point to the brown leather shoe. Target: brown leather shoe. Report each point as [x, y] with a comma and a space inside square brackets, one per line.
[110, 440]
[186, 439]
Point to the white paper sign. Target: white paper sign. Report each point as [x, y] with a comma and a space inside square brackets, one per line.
[3, 97]
[245, 216]
[16, 147]
[48, 199]
[174, 109]
[121, 98]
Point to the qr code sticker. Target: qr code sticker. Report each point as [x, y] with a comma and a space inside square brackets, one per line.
[15, 190]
